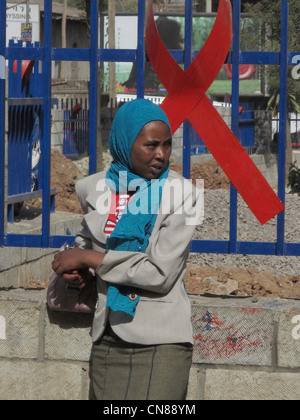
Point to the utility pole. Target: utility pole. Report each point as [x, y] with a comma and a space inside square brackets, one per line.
[27, 12]
[63, 36]
[208, 6]
[112, 45]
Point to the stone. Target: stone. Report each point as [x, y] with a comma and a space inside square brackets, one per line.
[242, 385]
[24, 380]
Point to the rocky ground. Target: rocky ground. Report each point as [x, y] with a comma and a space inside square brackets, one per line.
[209, 273]
[244, 274]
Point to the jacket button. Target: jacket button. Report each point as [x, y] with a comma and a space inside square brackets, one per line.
[133, 296]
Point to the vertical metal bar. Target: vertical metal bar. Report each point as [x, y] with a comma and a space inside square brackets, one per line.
[46, 144]
[235, 117]
[186, 170]
[141, 50]
[2, 118]
[93, 87]
[283, 115]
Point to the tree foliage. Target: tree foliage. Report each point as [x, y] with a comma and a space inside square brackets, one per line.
[266, 16]
[86, 5]
[129, 6]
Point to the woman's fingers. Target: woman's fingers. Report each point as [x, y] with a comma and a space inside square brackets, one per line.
[67, 261]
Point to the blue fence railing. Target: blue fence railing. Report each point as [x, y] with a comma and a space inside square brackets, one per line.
[25, 116]
[246, 132]
[45, 54]
[294, 120]
[75, 128]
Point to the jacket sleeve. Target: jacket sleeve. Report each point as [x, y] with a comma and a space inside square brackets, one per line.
[164, 262]
[83, 238]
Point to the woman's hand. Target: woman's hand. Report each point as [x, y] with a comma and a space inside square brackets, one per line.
[79, 278]
[72, 261]
[69, 261]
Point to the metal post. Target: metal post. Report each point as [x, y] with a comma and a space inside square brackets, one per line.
[2, 117]
[27, 11]
[283, 114]
[235, 116]
[186, 170]
[63, 36]
[112, 46]
[141, 51]
[93, 86]
[46, 144]
[208, 6]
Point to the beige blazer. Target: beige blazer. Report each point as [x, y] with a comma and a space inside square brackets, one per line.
[163, 314]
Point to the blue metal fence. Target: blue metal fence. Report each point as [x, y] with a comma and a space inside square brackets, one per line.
[294, 120]
[46, 54]
[25, 125]
[75, 128]
[246, 132]
[25, 131]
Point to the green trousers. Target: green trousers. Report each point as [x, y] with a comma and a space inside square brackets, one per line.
[123, 371]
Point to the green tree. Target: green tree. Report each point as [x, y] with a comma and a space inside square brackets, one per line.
[86, 5]
[266, 16]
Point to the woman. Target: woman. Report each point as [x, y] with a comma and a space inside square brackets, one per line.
[140, 218]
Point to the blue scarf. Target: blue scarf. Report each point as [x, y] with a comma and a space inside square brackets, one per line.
[133, 231]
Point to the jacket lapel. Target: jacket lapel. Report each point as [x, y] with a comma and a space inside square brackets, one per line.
[97, 217]
[100, 202]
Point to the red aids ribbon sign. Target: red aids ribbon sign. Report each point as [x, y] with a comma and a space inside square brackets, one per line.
[27, 66]
[186, 99]
[246, 71]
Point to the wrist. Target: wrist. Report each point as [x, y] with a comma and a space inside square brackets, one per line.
[92, 259]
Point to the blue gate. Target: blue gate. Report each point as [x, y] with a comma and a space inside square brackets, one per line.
[45, 54]
[246, 132]
[76, 128]
[24, 130]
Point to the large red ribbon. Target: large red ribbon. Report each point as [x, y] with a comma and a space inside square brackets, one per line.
[186, 99]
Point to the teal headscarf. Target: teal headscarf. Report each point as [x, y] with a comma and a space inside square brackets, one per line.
[135, 227]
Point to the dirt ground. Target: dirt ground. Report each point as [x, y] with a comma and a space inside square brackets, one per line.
[241, 282]
[64, 174]
[199, 280]
[214, 177]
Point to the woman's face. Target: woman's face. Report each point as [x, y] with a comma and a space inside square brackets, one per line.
[151, 152]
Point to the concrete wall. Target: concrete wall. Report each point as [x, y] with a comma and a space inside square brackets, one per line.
[20, 267]
[57, 130]
[42, 357]
[244, 349]
[268, 166]
[296, 157]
